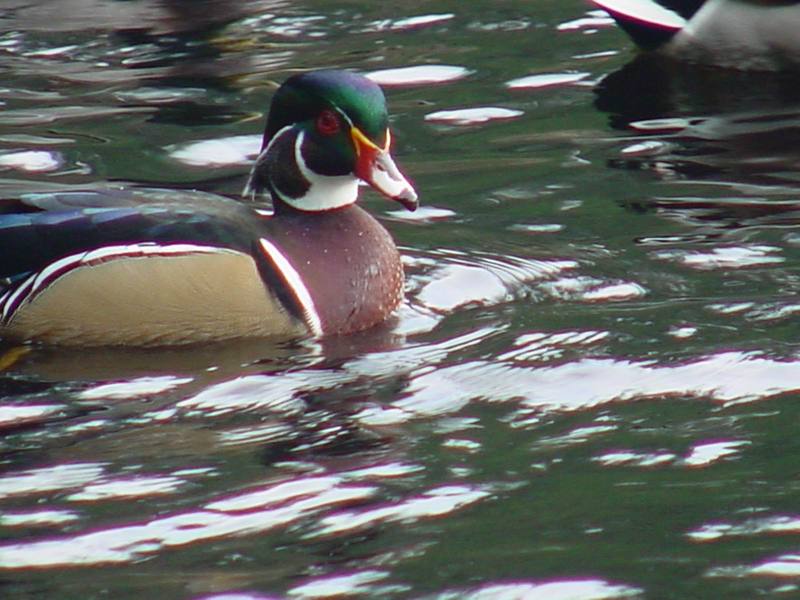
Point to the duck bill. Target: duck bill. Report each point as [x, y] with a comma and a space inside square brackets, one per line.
[376, 166]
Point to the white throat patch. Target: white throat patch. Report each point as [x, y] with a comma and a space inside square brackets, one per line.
[325, 192]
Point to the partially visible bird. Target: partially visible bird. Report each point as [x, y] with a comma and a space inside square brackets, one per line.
[757, 35]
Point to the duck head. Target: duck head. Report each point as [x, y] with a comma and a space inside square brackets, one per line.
[326, 130]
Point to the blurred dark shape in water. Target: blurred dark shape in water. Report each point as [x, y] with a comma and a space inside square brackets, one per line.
[739, 132]
[155, 16]
[657, 87]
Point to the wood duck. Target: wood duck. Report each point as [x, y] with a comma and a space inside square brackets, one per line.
[756, 35]
[156, 267]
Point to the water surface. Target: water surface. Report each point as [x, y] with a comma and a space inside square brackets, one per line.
[589, 393]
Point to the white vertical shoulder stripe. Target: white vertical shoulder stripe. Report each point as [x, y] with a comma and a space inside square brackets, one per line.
[11, 302]
[53, 268]
[295, 282]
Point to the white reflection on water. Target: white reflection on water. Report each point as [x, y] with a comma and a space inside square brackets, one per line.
[254, 511]
[785, 565]
[133, 388]
[34, 518]
[700, 456]
[457, 280]
[728, 377]
[342, 585]
[632, 458]
[51, 478]
[256, 392]
[472, 116]
[418, 75]
[231, 151]
[731, 257]
[250, 513]
[409, 23]
[14, 416]
[767, 525]
[423, 214]
[577, 589]
[703, 455]
[592, 20]
[591, 289]
[433, 503]
[544, 80]
[239, 596]
[128, 487]
[34, 161]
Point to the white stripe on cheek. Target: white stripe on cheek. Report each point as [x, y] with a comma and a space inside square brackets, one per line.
[326, 191]
[295, 282]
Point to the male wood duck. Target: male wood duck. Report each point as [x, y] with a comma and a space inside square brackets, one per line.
[153, 267]
[757, 35]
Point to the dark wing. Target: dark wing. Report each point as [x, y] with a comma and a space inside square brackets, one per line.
[38, 229]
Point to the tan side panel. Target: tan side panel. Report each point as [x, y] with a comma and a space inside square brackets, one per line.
[155, 300]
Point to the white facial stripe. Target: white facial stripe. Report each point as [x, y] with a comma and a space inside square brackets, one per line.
[281, 132]
[248, 190]
[295, 282]
[325, 192]
[38, 282]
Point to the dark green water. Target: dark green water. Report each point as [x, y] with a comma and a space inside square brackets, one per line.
[591, 392]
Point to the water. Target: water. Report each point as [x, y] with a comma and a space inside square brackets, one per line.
[590, 392]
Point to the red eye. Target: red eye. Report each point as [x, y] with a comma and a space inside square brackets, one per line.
[328, 123]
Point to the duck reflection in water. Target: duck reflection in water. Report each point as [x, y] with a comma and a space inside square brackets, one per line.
[737, 133]
[155, 16]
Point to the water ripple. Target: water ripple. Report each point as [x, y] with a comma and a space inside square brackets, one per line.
[432, 503]
[42, 116]
[729, 377]
[473, 116]
[575, 589]
[409, 23]
[343, 585]
[133, 388]
[419, 75]
[545, 80]
[767, 525]
[731, 257]
[33, 161]
[256, 392]
[55, 478]
[128, 487]
[481, 279]
[37, 518]
[249, 513]
[236, 150]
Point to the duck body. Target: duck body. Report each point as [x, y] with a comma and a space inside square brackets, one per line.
[156, 267]
[736, 34]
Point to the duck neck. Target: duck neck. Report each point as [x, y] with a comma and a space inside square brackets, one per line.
[281, 169]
